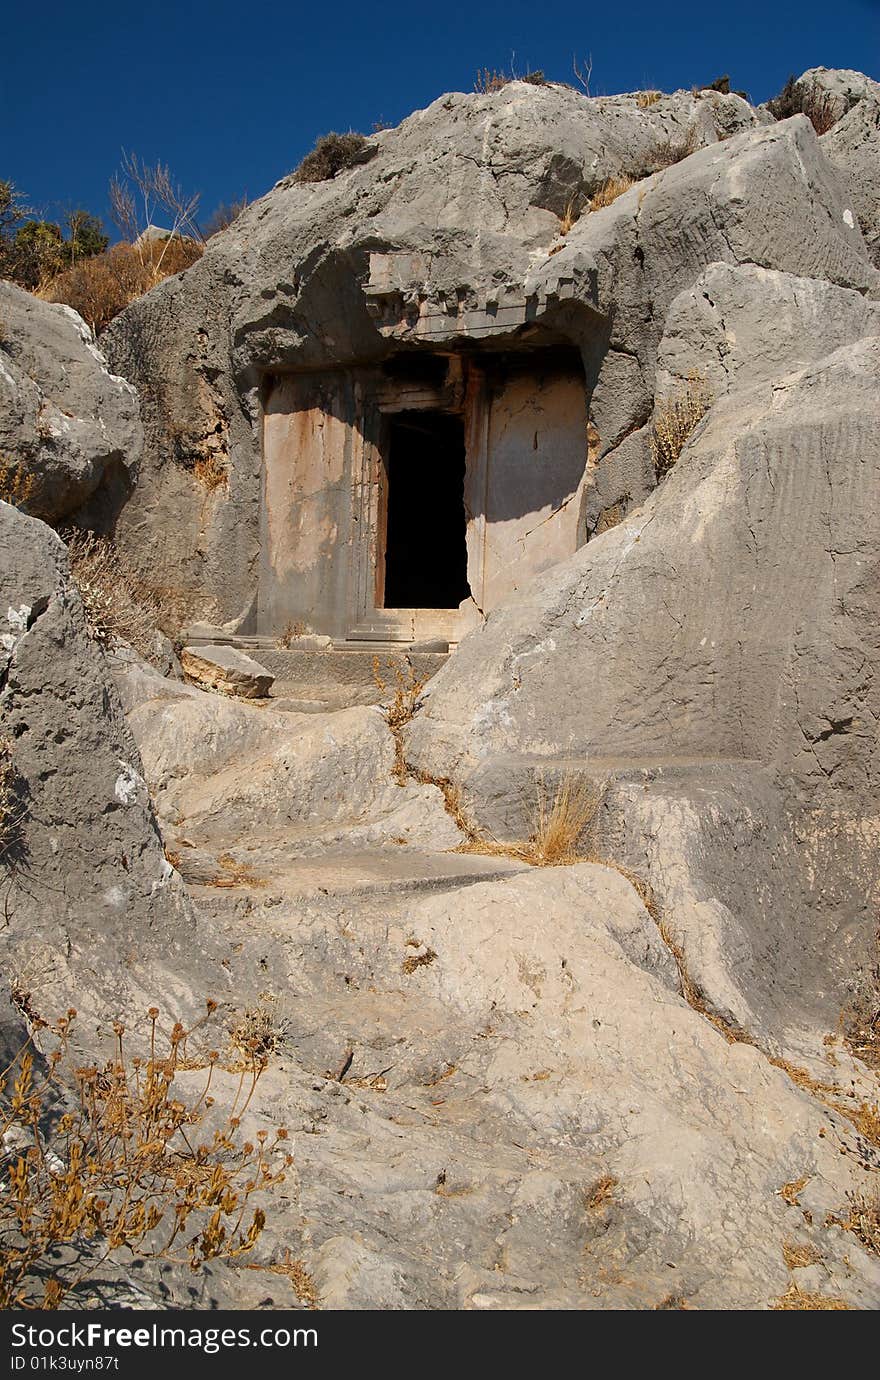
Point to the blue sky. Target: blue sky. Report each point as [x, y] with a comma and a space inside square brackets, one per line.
[232, 94]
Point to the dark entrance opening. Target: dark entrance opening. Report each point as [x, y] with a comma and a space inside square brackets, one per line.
[425, 550]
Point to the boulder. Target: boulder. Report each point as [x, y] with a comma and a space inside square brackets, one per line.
[228, 670]
[88, 892]
[843, 86]
[853, 147]
[67, 425]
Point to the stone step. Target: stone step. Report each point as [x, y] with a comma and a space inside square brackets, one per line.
[355, 668]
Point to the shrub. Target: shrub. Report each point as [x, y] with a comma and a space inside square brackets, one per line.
[675, 419]
[19, 488]
[121, 1171]
[101, 287]
[334, 153]
[488, 81]
[610, 191]
[672, 151]
[118, 606]
[819, 106]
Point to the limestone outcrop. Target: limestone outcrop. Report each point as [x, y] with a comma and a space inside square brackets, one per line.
[67, 425]
[452, 231]
[645, 1078]
[87, 890]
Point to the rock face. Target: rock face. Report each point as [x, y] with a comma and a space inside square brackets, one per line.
[228, 670]
[67, 426]
[853, 146]
[450, 233]
[87, 888]
[714, 656]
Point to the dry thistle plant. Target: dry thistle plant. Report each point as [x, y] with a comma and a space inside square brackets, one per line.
[610, 191]
[118, 607]
[863, 1220]
[257, 1033]
[122, 1171]
[675, 420]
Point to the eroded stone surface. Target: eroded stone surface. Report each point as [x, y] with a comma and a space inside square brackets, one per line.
[228, 670]
[67, 425]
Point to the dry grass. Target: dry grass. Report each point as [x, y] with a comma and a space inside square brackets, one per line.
[790, 1192]
[101, 287]
[675, 420]
[334, 153]
[116, 602]
[600, 1194]
[487, 81]
[569, 217]
[407, 691]
[400, 709]
[211, 470]
[562, 821]
[560, 825]
[610, 191]
[121, 1171]
[423, 957]
[798, 1256]
[645, 99]
[860, 1021]
[235, 874]
[610, 517]
[291, 631]
[295, 1272]
[673, 150]
[796, 1300]
[118, 606]
[673, 1303]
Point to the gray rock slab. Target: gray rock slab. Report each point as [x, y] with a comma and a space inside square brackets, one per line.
[227, 669]
[66, 423]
